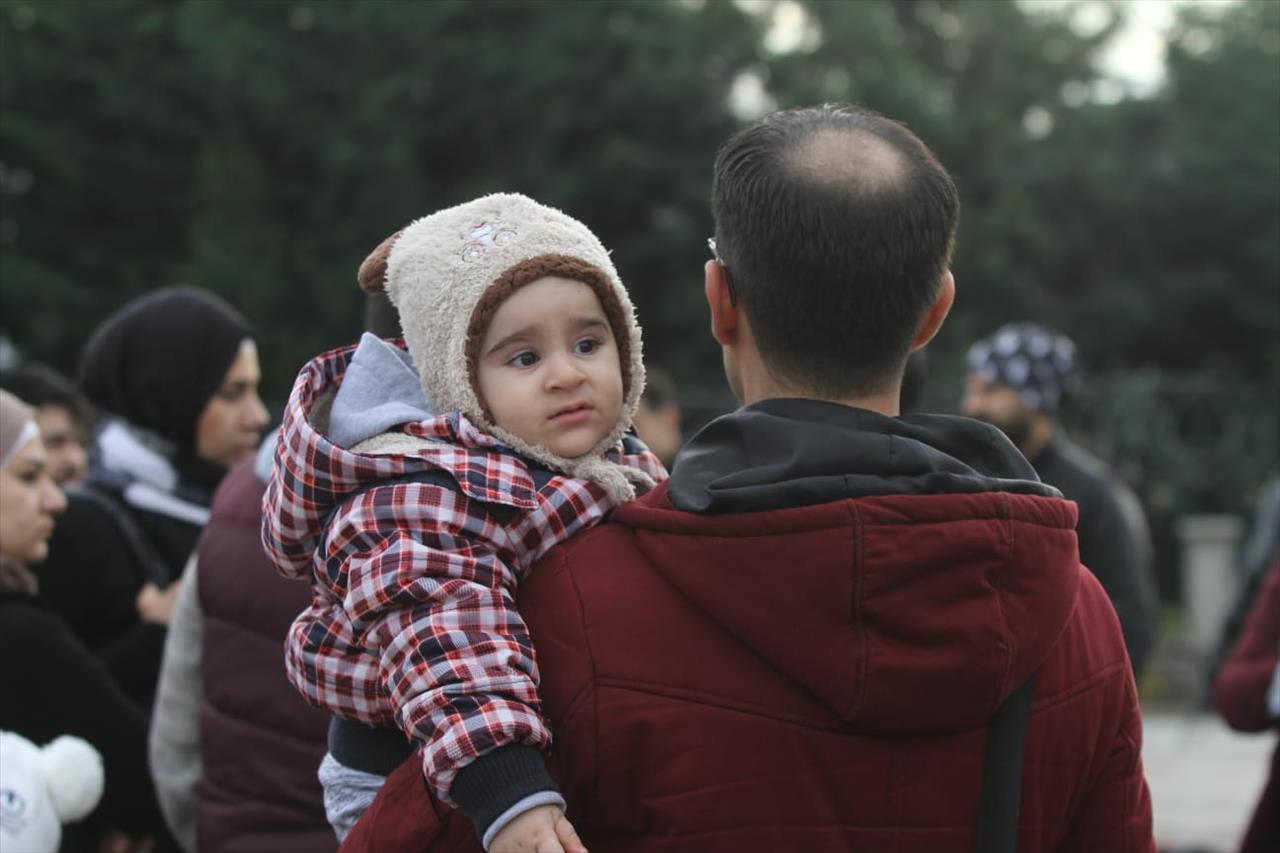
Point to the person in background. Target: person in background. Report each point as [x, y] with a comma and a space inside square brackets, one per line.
[234, 749]
[1018, 379]
[799, 641]
[1246, 692]
[657, 421]
[56, 686]
[62, 413]
[1260, 546]
[175, 373]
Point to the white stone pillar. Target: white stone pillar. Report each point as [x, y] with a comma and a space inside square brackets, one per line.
[1209, 547]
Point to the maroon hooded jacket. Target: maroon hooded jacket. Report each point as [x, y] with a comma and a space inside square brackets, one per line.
[796, 645]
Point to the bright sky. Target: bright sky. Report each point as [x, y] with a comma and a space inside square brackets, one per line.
[1134, 59]
[1135, 56]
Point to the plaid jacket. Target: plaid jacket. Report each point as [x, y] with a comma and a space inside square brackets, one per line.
[412, 621]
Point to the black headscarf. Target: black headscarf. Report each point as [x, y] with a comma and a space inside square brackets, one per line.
[158, 360]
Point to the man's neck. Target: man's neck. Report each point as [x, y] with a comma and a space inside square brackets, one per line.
[762, 386]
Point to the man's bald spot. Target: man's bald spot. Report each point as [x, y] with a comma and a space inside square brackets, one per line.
[855, 159]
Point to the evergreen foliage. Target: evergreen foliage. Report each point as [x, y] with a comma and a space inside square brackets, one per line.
[263, 149]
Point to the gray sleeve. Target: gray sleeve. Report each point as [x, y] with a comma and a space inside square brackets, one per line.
[174, 747]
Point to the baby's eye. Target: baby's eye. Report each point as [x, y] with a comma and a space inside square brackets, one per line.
[586, 346]
[527, 358]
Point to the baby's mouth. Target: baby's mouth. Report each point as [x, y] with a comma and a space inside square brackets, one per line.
[569, 412]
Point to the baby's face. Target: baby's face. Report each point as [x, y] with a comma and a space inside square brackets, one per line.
[548, 367]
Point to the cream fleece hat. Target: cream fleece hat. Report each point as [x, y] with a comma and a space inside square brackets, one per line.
[447, 273]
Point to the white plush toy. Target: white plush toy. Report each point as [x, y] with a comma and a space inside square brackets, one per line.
[41, 789]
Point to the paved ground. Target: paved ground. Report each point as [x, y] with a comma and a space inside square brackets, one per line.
[1204, 779]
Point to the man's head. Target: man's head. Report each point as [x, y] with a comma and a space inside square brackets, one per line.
[834, 228]
[62, 414]
[1018, 379]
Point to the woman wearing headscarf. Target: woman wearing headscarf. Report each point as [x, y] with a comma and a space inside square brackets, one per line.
[56, 685]
[175, 372]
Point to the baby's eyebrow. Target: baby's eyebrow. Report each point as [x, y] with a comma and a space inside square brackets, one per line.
[518, 335]
[578, 324]
[589, 322]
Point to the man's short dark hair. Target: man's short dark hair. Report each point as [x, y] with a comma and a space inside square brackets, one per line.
[835, 225]
[39, 385]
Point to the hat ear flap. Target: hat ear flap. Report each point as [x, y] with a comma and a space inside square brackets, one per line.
[373, 272]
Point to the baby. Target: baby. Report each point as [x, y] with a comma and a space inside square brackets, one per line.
[416, 502]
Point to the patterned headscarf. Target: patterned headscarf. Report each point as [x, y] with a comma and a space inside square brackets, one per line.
[1038, 363]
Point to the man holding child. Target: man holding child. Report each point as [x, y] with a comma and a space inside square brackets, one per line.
[799, 641]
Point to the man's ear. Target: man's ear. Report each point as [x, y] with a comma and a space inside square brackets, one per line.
[724, 314]
[937, 312]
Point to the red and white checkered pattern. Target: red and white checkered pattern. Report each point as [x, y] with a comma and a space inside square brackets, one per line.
[412, 621]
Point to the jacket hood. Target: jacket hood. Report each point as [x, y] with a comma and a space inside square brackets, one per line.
[379, 391]
[909, 573]
[312, 475]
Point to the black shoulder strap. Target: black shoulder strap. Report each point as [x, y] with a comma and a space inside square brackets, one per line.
[1002, 774]
[153, 566]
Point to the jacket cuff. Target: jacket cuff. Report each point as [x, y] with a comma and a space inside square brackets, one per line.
[545, 798]
[488, 787]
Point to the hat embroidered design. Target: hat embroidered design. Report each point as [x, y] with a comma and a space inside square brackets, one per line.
[486, 236]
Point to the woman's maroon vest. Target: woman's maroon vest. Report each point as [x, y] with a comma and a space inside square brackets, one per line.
[260, 741]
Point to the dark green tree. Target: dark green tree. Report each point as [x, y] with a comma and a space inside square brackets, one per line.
[262, 149]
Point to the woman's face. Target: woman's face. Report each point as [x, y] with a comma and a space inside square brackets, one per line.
[232, 421]
[29, 499]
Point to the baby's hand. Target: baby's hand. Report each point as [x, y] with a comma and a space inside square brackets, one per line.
[543, 829]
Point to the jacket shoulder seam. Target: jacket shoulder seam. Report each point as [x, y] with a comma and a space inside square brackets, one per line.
[1073, 691]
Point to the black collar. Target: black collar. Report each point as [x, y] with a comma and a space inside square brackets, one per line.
[793, 452]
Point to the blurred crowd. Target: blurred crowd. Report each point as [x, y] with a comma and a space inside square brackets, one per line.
[140, 616]
[139, 613]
